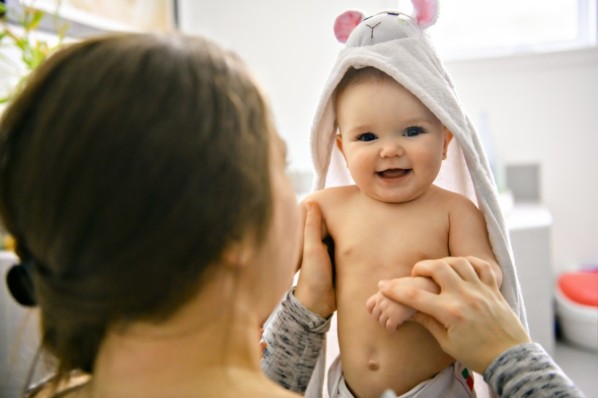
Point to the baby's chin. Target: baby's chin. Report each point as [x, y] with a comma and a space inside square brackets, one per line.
[394, 198]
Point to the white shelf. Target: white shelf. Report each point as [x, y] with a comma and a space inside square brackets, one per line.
[528, 215]
[529, 227]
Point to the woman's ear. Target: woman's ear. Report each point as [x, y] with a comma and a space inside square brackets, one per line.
[448, 136]
[238, 254]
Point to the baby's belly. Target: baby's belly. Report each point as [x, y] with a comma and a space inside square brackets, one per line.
[374, 359]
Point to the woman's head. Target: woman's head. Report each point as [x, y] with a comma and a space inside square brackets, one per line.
[129, 164]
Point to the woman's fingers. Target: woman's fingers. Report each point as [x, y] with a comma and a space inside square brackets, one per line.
[470, 269]
[437, 270]
[435, 328]
[414, 297]
[468, 316]
[463, 268]
[484, 271]
[313, 228]
[452, 275]
[315, 288]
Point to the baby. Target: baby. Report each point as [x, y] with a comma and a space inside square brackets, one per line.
[391, 218]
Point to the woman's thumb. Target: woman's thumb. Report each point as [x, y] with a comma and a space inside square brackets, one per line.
[432, 325]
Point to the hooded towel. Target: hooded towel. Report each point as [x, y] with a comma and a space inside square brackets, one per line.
[396, 44]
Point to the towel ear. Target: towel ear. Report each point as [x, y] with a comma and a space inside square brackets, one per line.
[345, 23]
[426, 12]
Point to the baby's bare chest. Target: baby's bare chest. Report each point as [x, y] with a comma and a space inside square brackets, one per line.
[388, 240]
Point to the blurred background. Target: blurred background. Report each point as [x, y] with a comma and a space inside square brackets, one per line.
[525, 71]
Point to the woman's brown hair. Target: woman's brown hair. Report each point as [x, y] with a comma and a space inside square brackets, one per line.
[127, 165]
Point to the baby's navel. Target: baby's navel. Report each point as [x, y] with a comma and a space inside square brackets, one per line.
[373, 365]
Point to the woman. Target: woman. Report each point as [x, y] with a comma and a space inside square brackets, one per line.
[144, 182]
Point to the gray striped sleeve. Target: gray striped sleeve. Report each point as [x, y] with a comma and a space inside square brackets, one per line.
[294, 338]
[527, 371]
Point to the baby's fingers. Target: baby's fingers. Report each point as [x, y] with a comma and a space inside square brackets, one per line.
[392, 325]
[371, 303]
[373, 306]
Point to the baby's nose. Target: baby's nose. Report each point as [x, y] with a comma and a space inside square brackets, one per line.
[391, 148]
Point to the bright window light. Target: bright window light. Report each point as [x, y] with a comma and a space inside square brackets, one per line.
[477, 28]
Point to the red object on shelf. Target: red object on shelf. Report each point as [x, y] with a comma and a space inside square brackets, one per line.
[580, 287]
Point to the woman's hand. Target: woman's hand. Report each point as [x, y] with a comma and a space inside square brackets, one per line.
[469, 317]
[315, 288]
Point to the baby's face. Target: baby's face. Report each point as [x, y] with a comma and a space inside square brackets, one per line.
[392, 143]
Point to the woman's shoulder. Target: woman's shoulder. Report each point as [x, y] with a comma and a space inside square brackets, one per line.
[51, 387]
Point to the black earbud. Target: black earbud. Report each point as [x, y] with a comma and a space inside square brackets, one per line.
[20, 284]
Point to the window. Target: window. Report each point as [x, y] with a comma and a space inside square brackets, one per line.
[477, 28]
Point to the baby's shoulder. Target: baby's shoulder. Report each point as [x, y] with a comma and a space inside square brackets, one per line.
[336, 195]
[453, 200]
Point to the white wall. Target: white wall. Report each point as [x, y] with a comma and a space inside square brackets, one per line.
[539, 109]
[543, 109]
[290, 47]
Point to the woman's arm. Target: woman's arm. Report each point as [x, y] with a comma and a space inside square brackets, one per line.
[527, 370]
[295, 334]
[473, 323]
[293, 338]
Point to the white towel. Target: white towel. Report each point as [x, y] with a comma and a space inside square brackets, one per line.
[395, 44]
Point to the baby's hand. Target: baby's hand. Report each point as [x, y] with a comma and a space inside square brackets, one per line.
[392, 314]
[389, 313]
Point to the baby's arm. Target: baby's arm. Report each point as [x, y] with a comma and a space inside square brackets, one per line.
[468, 237]
[468, 234]
[392, 314]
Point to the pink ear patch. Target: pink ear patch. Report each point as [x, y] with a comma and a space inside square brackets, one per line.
[345, 23]
[426, 12]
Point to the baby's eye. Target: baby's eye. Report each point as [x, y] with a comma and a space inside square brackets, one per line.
[413, 131]
[366, 137]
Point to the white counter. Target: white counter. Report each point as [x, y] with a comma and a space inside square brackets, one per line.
[529, 228]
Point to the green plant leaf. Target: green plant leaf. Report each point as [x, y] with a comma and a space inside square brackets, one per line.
[32, 52]
[36, 17]
[22, 43]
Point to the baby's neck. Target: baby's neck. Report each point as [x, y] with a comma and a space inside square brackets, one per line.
[369, 200]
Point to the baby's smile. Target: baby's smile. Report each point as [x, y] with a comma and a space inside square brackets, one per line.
[393, 173]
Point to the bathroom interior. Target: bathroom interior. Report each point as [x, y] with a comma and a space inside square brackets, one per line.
[526, 74]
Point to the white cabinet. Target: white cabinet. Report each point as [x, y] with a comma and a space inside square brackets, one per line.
[19, 339]
[529, 227]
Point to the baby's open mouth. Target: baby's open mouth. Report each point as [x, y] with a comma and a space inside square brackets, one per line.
[393, 173]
